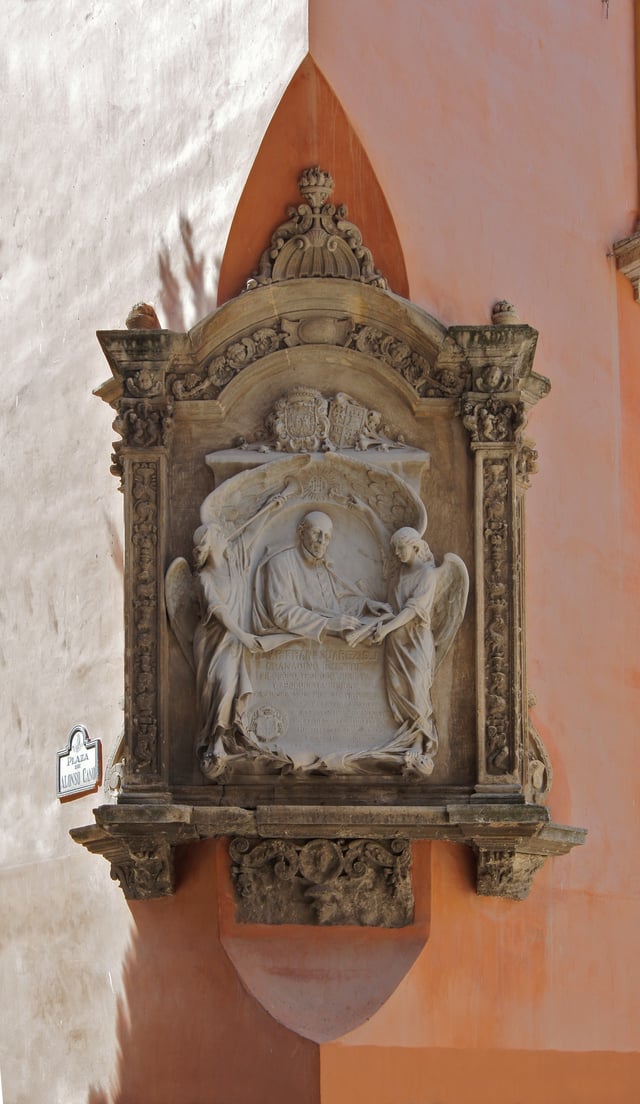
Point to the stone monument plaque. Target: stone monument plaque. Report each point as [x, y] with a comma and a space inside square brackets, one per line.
[324, 587]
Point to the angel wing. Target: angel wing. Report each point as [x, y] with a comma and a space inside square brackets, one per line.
[452, 590]
[182, 605]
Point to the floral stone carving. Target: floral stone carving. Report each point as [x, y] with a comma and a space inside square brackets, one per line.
[322, 881]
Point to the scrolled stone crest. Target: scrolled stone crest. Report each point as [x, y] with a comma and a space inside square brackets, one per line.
[317, 240]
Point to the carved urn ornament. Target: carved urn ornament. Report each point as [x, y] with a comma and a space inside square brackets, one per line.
[324, 589]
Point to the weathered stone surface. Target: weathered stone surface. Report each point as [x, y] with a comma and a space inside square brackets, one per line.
[322, 881]
[317, 240]
[510, 842]
[318, 651]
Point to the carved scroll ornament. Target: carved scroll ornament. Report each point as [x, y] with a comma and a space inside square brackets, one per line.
[322, 881]
[317, 240]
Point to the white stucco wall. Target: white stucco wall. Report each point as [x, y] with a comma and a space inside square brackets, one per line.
[117, 117]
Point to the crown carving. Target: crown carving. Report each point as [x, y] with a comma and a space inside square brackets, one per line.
[316, 240]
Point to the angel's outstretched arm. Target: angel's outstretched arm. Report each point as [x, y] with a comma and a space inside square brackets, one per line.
[270, 505]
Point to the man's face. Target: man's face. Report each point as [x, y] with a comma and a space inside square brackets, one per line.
[316, 534]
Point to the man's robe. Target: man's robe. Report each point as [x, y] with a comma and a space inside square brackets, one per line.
[296, 593]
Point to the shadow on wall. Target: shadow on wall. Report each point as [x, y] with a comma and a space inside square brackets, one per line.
[193, 301]
[187, 1029]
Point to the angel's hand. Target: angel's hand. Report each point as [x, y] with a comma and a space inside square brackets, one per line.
[381, 609]
[343, 624]
[356, 636]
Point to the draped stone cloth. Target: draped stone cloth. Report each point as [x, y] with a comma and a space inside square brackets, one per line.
[222, 679]
[410, 657]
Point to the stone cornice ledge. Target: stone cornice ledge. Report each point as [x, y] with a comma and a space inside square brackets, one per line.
[627, 255]
[510, 842]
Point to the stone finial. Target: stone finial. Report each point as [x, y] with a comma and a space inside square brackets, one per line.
[142, 316]
[503, 313]
[315, 186]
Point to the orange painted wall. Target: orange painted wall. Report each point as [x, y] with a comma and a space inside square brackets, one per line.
[187, 1028]
[310, 127]
[503, 137]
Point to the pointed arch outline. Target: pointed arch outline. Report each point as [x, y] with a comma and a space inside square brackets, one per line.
[309, 127]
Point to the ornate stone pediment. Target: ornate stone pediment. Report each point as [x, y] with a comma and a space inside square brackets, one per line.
[325, 624]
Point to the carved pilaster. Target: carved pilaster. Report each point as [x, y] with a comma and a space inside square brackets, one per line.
[497, 622]
[144, 418]
[494, 413]
[322, 881]
[145, 478]
[494, 425]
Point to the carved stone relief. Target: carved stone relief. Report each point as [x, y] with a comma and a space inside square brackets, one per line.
[146, 870]
[322, 881]
[144, 676]
[304, 670]
[446, 379]
[497, 567]
[506, 872]
[539, 771]
[317, 240]
[267, 583]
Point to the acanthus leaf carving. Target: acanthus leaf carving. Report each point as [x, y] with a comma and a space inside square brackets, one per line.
[141, 423]
[147, 869]
[506, 872]
[208, 382]
[493, 420]
[364, 882]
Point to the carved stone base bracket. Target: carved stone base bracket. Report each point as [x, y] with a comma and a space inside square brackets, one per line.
[325, 864]
[506, 873]
[507, 869]
[322, 881]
